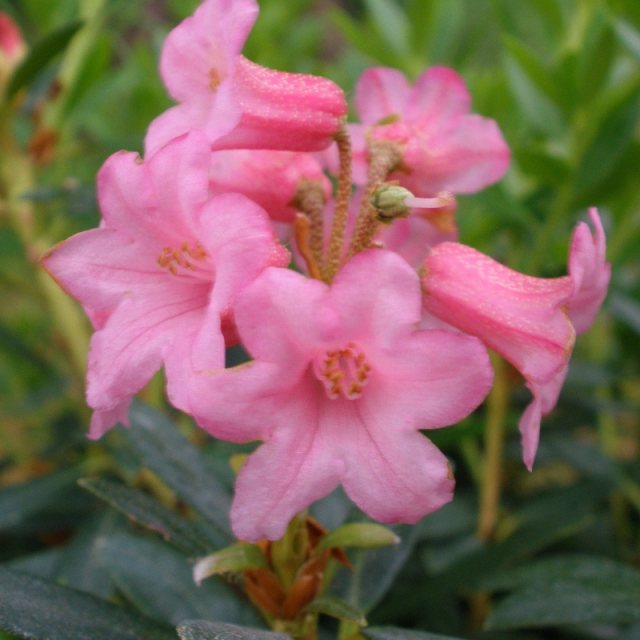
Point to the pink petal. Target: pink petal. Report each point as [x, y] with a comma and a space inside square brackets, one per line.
[589, 271]
[103, 421]
[270, 178]
[392, 475]
[11, 42]
[292, 469]
[438, 95]
[429, 379]
[288, 111]
[380, 93]
[130, 348]
[210, 39]
[463, 156]
[545, 398]
[175, 122]
[519, 316]
[100, 266]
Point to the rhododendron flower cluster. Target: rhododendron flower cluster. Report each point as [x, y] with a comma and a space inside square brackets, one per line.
[382, 329]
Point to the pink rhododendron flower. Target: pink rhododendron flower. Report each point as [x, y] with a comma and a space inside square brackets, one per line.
[159, 277]
[521, 317]
[270, 178]
[589, 271]
[12, 47]
[236, 103]
[445, 148]
[340, 385]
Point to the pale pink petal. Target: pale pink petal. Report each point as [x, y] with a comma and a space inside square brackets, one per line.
[438, 95]
[289, 111]
[429, 379]
[270, 178]
[519, 316]
[545, 398]
[103, 421]
[377, 295]
[413, 237]
[243, 403]
[204, 44]
[178, 177]
[463, 156]
[283, 316]
[130, 348]
[393, 475]
[381, 93]
[100, 266]
[175, 122]
[589, 271]
[292, 469]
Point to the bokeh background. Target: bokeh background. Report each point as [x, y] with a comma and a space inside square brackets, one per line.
[562, 79]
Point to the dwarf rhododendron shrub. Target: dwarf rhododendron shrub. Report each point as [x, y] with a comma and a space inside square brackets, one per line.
[381, 330]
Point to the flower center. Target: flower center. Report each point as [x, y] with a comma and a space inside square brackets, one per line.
[343, 372]
[187, 259]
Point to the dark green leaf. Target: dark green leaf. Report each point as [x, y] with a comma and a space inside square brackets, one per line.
[204, 630]
[40, 610]
[629, 36]
[20, 502]
[395, 633]
[337, 608]
[144, 510]
[566, 602]
[159, 581]
[182, 466]
[626, 310]
[41, 55]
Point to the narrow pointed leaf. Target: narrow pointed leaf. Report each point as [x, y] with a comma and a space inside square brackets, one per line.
[182, 466]
[395, 633]
[233, 559]
[158, 580]
[204, 630]
[364, 535]
[149, 513]
[41, 610]
[337, 608]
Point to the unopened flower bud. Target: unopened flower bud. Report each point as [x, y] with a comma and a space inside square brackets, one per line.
[389, 202]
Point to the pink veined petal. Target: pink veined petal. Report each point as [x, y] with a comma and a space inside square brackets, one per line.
[589, 271]
[438, 95]
[282, 317]
[131, 346]
[259, 391]
[175, 122]
[463, 156]
[289, 111]
[292, 469]
[100, 266]
[427, 380]
[413, 237]
[238, 236]
[122, 201]
[545, 398]
[380, 93]
[378, 295]
[178, 177]
[207, 42]
[103, 421]
[519, 316]
[392, 475]
[270, 178]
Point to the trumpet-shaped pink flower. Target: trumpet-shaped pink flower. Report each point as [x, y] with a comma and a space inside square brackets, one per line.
[160, 276]
[340, 384]
[521, 317]
[589, 271]
[270, 178]
[445, 148]
[236, 103]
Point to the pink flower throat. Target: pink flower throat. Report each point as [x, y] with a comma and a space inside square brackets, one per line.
[343, 372]
[188, 259]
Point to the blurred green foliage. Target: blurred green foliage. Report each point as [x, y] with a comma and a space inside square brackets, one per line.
[562, 78]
